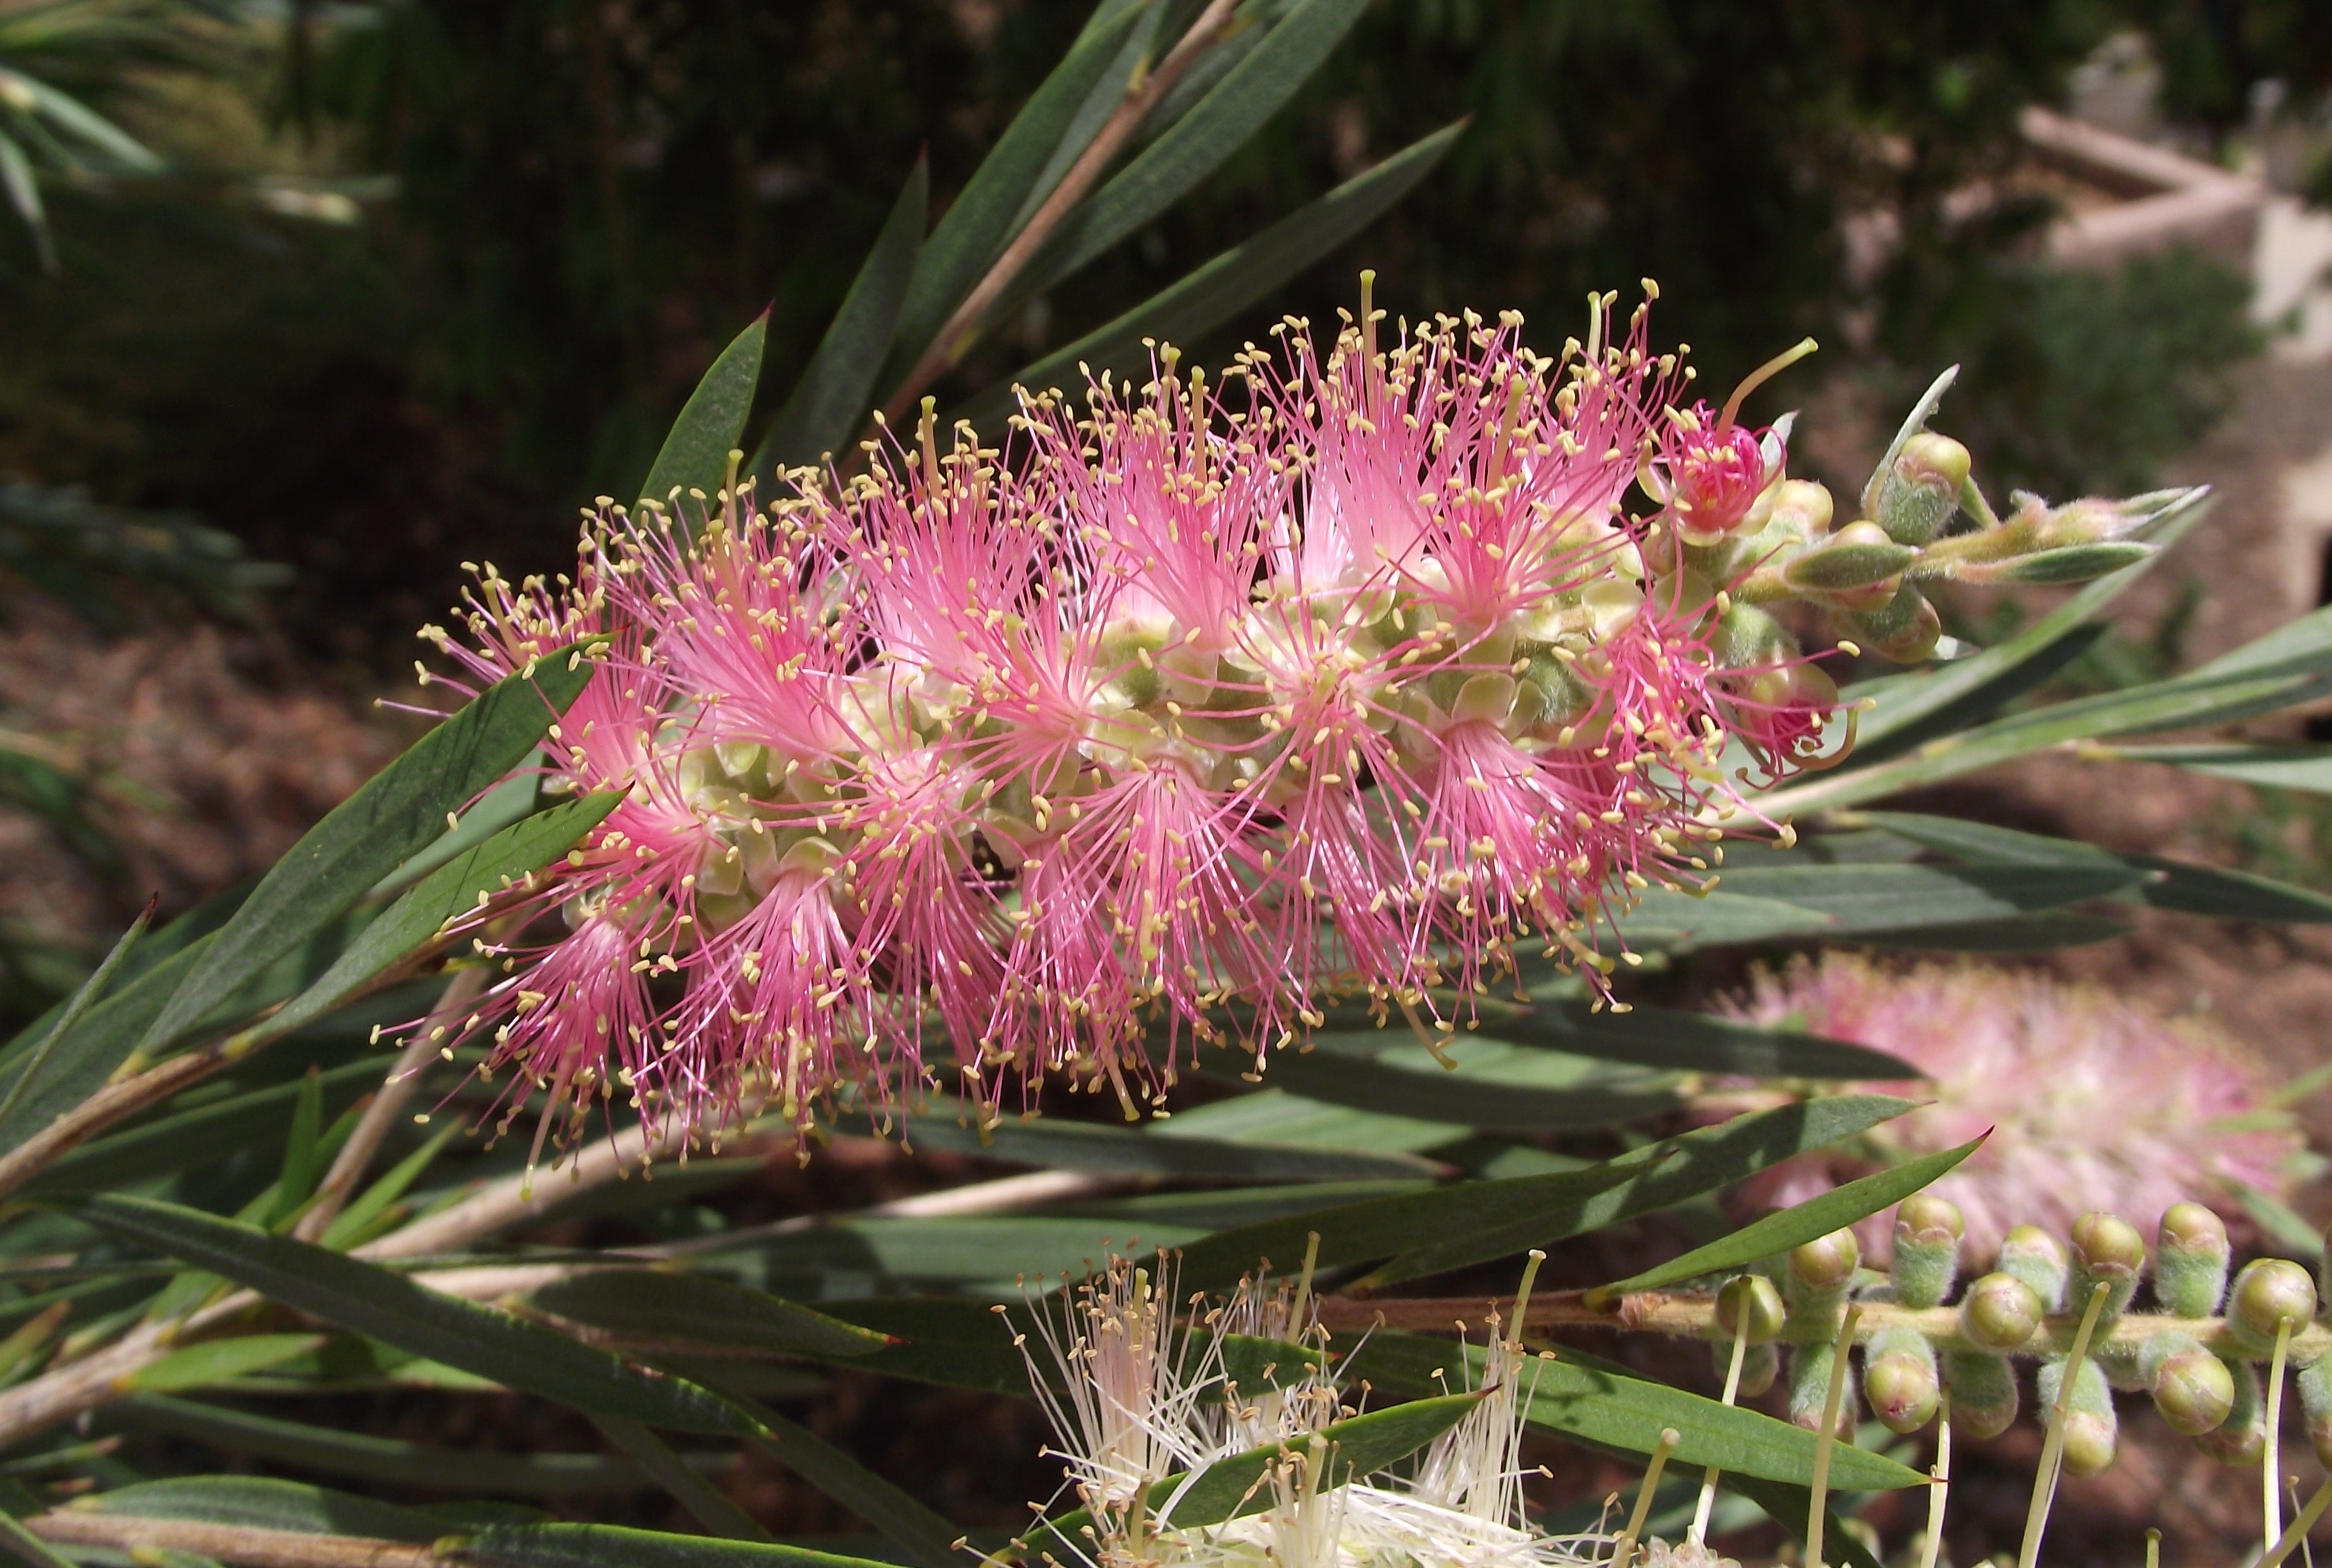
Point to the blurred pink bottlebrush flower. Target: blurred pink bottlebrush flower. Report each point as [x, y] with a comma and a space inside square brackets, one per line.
[2095, 1102]
[1179, 719]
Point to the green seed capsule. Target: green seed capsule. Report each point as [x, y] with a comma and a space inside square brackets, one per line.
[1900, 1380]
[1750, 1300]
[2091, 1432]
[2191, 1388]
[1984, 1393]
[1928, 1231]
[2034, 1256]
[2106, 1250]
[2000, 1312]
[2190, 1261]
[2242, 1438]
[2269, 1293]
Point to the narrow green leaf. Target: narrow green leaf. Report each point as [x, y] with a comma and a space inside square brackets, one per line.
[885, 1251]
[1109, 92]
[1061, 1145]
[2070, 564]
[1195, 146]
[1777, 1233]
[695, 454]
[215, 1361]
[1231, 1487]
[832, 394]
[399, 811]
[1579, 1397]
[2265, 766]
[1220, 289]
[390, 1307]
[1667, 1173]
[1790, 1506]
[78, 1003]
[1670, 920]
[419, 918]
[380, 1460]
[26, 1546]
[263, 1503]
[951, 1340]
[1693, 1042]
[1277, 1119]
[1985, 703]
[707, 1504]
[983, 217]
[1863, 898]
[2050, 930]
[356, 1221]
[671, 1307]
[926, 1537]
[301, 1163]
[1496, 1087]
[515, 798]
[558, 1545]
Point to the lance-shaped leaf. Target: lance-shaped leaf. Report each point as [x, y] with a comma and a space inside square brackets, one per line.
[1240, 1484]
[1777, 1233]
[697, 1309]
[695, 452]
[826, 404]
[263, 1502]
[1210, 295]
[1122, 1152]
[1494, 1087]
[1676, 1171]
[1450, 1226]
[561, 1545]
[1196, 145]
[400, 811]
[219, 1361]
[1694, 1042]
[1878, 897]
[986, 212]
[446, 895]
[1582, 1397]
[394, 1309]
[2266, 765]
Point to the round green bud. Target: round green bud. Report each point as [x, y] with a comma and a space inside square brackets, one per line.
[1804, 507]
[2190, 1261]
[2090, 1429]
[2000, 1312]
[2242, 1438]
[1750, 1307]
[2269, 1293]
[2090, 1439]
[1809, 1370]
[2034, 1256]
[1928, 1231]
[1922, 490]
[2108, 1247]
[2194, 1389]
[1759, 1368]
[1929, 1220]
[1826, 1262]
[1900, 1380]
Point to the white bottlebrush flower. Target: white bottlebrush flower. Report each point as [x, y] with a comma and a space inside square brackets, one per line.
[1136, 1395]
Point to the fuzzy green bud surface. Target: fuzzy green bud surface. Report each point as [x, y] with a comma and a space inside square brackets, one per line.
[2001, 1312]
[1809, 1370]
[2191, 1386]
[1984, 1393]
[2190, 1261]
[2268, 1293]
[2091, 1431]
[2315, 1384]
[2106, 1250]
[1928, 1231]
[1906, 629]
[1826, 1263]
[2033, 1255]
[1922, 488]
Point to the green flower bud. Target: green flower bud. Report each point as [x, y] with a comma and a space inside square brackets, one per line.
[1759, 1368]
[1750, 1306]
[2269, 1293]
[2191, 1388]
[1900, 1380]
[1826, 1262]
[2314, 1384]
[1905, 629]
[1810, 1368]
[2242, 1438]
[2090, 1429]
[1803, 508]
[1859, 556]
[2034, 1256]
[2106, 1250]
[1984, 1393]
[1922, 490]
[2324, 1266]
[2000, 1312]
[1744, 636]
[2054, 568]
[2190, 1261]
[1928, 1231]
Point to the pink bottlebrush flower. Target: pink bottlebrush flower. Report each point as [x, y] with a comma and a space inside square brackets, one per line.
[2093, 1103]
[1175, 720]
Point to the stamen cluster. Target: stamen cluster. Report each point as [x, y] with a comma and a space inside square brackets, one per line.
[1177, 720]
